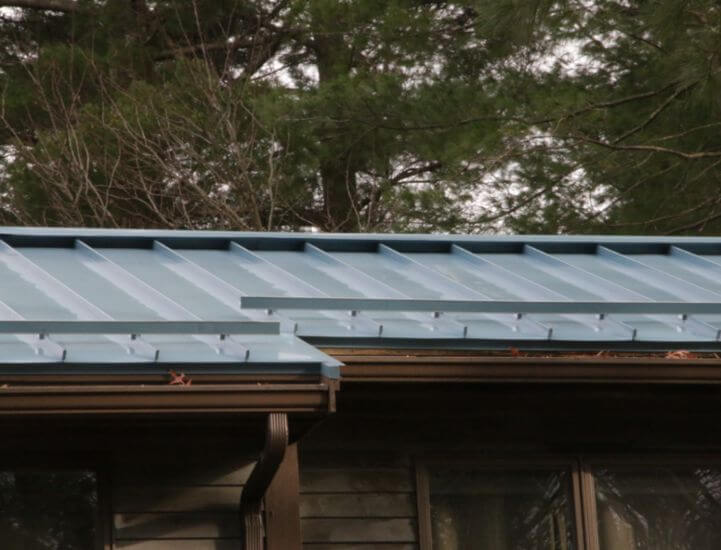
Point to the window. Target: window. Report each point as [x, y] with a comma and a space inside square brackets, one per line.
[658, 508]
[599, 506]
[55, 510]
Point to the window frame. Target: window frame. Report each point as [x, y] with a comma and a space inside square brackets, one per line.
[629, 463]
[64, 462]
[580, 468]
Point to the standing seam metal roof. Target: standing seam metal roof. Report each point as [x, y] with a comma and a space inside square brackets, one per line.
[244, 299]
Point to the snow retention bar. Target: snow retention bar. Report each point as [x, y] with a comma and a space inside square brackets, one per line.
[480, 306]
[16, 326]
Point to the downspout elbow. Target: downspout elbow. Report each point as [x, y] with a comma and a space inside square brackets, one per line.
[251, 500]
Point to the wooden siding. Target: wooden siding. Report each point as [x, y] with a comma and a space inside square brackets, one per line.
[357, 503]
[178, 501]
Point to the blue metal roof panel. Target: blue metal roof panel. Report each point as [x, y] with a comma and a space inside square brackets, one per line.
[353, 290]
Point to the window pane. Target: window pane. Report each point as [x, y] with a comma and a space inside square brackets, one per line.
[48, 510]
[500, 510]
[657, 508]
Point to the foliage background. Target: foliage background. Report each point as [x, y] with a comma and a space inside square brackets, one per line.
[585, 116]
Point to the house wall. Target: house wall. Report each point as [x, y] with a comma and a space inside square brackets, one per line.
[177, 485]
[357, 469]
[170, 483]
[182, 499]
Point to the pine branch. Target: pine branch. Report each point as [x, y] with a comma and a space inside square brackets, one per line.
[53, 5]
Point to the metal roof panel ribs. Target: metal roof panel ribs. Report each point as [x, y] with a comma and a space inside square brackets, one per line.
[116, 297]
[156, 300]
[371, 286]
[39, 340]
[611, 290]
[286, 280]
[71, 300]
[526, 287]
[517, 322]
[219, 289]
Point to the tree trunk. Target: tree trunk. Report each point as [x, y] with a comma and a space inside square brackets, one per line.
[339, 195]
[337, 170]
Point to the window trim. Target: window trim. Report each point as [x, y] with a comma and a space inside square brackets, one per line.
[423, 500]
[62, 462]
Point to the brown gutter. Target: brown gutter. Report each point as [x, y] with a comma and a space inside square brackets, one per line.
[251, 499]
[159, 378]
[166, 399]
[410, 368]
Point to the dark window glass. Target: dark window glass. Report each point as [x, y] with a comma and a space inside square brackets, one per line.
[500, 510]
[48, 510]
[658, 508]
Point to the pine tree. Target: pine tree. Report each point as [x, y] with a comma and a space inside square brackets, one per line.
[343, 116]
[626, 134]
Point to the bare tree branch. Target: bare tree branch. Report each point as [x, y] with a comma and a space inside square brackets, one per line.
[416, 170]
[656, 112]
[698, 224]
[652, 148]
[667, 217]
[230, 45]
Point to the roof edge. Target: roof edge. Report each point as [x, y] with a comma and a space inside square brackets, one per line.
[80, 232]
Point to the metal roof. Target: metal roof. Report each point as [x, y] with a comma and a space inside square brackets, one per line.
[239, 300]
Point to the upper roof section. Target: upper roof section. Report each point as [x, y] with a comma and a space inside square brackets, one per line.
[179, 291]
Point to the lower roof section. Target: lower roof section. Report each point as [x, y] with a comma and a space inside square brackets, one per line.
[146, 348]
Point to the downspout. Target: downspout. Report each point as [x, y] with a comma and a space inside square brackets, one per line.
[251, 500]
